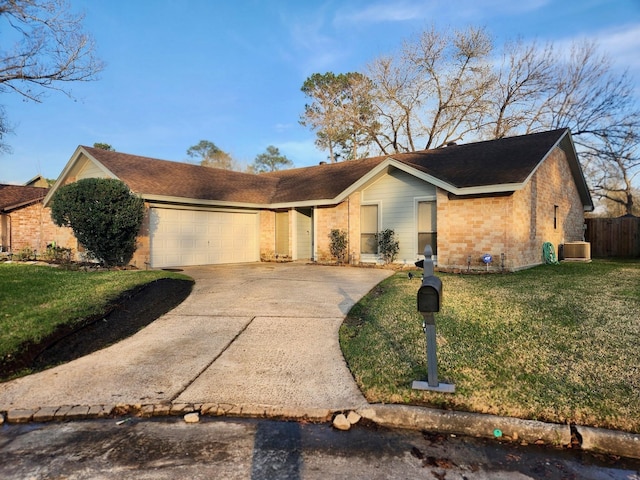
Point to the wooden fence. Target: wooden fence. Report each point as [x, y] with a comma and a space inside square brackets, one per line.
[613, 237]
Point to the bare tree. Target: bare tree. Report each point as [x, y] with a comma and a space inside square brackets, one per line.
[600, 107]
[49, 51]
[434, 91]
[398, 95]
[444, 86]
[614, 165]
[589, 97]
[522, 82]
[459, 75]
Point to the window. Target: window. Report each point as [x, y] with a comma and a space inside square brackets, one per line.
[427, 227]
[555, 217]
[368, 229]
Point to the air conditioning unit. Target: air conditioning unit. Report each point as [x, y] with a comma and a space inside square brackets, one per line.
[577, 251]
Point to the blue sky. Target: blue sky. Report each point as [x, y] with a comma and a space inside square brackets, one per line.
[181, 71]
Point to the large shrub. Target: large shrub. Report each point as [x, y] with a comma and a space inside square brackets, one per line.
[388, 246]
[104, 215]
[338, 244]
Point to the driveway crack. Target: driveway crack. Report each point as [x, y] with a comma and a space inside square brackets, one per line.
[206, 367]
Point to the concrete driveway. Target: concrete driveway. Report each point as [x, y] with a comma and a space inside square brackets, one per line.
[259, 334]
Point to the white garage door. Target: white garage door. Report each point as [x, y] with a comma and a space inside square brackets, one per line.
[193, 237]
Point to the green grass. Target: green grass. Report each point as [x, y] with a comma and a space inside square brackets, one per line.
[553, 343]
[35, 300]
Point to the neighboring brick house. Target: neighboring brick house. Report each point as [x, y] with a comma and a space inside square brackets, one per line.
[504, 197]
[25, 222]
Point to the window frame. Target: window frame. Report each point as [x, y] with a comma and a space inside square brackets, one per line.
[434, 233]
[367, 233]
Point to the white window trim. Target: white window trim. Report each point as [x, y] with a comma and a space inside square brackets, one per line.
[416, 201]
[370, 257]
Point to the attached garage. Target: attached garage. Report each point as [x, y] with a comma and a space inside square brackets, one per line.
[199, 237]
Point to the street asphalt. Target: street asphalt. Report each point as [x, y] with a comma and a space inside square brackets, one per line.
[255, 340]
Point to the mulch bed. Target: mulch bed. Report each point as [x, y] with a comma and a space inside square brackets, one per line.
[131, 312]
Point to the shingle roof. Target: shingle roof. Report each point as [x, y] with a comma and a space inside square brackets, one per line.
[495, 162]
[319, 182]
[14, 196]
[151, 176]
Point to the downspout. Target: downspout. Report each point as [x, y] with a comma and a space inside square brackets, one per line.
[350, 256]
[9, 233]
[314, 225]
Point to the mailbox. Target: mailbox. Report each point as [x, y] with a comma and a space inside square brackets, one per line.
[430, 294]
[429, 299]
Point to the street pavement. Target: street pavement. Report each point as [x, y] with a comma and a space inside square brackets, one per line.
[258, 449]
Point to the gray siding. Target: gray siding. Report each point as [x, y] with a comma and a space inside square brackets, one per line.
[397, 194]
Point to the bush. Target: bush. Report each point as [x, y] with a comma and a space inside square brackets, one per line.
[104, 215]
[25, 254]
[388, 246]
[57, 254]
[338, 245]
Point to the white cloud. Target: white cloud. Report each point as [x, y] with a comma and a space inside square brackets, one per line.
[621, 44]
[401, 11]
[283, 127]
[311, 44]
[421, 10]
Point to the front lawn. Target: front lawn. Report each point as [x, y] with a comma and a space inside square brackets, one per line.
[37, 300]
[553, 343]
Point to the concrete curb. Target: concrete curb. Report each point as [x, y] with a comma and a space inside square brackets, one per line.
[471, 424]
[609, 441]
[598, 440]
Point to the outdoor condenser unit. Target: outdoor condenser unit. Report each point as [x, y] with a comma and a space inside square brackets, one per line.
[577, 251]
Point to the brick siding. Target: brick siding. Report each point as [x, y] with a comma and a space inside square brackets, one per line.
[516, 225]
[344, 216]
[142, 256]
[267, 235]
[32, 227]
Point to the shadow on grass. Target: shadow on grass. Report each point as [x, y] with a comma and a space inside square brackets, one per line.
[129, 313]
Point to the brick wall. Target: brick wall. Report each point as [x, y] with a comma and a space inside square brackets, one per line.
[516, 225]
[327, 219]
[472, 227]
[354, 227]
[32, 227]
[142, 256]
[267, 234]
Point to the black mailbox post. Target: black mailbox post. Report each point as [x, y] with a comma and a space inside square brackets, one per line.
[429, 301]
